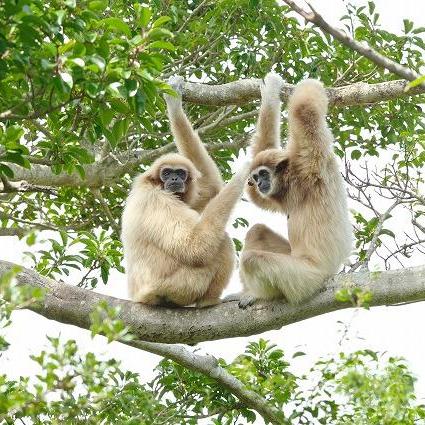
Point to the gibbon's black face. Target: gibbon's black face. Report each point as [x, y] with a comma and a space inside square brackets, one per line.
[262, 177]
[174, 179]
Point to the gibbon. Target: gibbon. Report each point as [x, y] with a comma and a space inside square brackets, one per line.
[303, 182]
[173, 224]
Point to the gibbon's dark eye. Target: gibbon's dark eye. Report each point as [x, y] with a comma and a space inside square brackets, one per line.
[182, 173]
[263, 173]
[255, 177]
[165, 172]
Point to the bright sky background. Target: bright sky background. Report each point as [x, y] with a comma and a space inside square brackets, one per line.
[396, 330]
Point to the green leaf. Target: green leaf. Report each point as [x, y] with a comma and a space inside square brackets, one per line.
[145, 16]
[161, 44]
[161, 21]
[106, 114]
[356, 154]
[408, 25]
[6, 171]
[67, 79]
[98, 5]
[98, 61]
[156, 33]
[415, 83]
[117, 24]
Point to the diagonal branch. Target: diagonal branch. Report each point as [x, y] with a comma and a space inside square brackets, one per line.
[69, 304]
[105, 207]
[208, 365]
[362, 48]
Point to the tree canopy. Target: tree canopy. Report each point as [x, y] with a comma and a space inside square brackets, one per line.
[81, 113]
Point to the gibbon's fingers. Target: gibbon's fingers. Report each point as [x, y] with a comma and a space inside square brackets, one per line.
[271, 87]
[176, 83]
[218, 210]
[267, 133]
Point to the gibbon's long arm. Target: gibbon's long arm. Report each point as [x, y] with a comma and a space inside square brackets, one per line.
[190, 145]
[192, 240]
[308, 131]
[267, 133]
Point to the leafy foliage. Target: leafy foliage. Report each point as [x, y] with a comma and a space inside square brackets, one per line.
[72, 387]
[81, 112]
[80, 105]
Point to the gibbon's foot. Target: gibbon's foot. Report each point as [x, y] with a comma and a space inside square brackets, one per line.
[271, 87]
[176, 83]
[208, 302]
[232, 297]
[246, 301]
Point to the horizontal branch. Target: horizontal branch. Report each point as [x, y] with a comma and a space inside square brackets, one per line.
[237, 92]
[245, 91]
[69, 304]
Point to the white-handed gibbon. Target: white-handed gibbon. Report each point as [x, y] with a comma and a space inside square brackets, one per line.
[302, 181]
[173, 225]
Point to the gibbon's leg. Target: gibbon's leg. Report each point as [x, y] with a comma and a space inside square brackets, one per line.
[264, 239]
[308, 131]
[226, 265]
[267, 133]
[190, 145]
[269, 274]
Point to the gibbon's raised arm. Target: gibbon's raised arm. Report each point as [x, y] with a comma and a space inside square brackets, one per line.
[267, 132]
[193, 239]
[307, 109]
[189, 143]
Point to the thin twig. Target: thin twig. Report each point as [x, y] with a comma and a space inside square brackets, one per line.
[105, 207]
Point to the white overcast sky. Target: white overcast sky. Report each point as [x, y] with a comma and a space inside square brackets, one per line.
[396, 330]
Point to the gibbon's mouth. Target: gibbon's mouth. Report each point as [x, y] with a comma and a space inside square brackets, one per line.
[175, 187]
[264, 187]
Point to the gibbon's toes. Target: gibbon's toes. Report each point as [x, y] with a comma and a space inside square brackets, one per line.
[271, 86]
[231, 297]
[176, 82]
[246, 301]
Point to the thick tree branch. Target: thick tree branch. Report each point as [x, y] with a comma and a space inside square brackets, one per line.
[238, 92]
[245, 91]
[362, 48]
[69, 304]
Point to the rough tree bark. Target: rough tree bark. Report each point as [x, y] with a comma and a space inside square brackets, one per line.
[69, 304]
